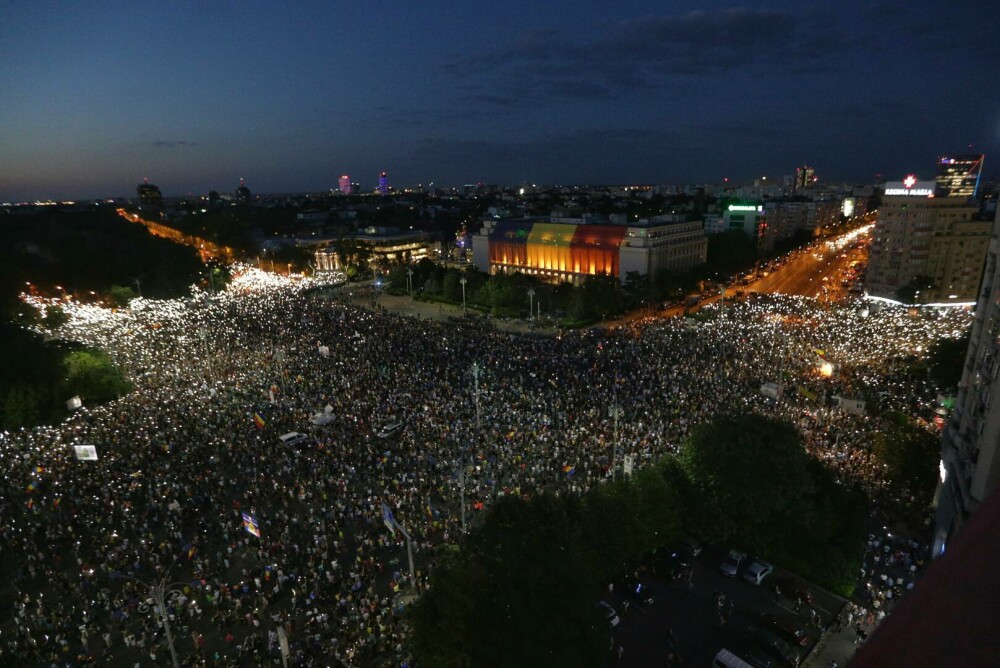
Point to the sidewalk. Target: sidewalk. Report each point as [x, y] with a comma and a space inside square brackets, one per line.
[836, 646]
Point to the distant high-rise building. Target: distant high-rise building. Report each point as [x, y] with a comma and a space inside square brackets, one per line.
[958, 175]
[804, 177]
[150, 196]
[383, 184]
[243, 193]
[970, 450]
[345, 185]
[933, 241]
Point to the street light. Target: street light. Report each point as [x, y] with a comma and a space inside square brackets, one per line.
[463, 282]
[409, 281]
[159, 591]
[615, 411]
[531, 303]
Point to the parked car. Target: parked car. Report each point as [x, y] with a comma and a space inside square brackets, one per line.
[786, 628]
[794, 589]
[778, 648]
[609, 613]
[757, 571]
[391, 429]
[731, 564]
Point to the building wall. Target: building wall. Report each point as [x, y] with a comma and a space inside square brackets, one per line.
[969, 449]
[935, 237]
[570, 252]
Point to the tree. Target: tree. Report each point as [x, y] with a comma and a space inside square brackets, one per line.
[909, 455]
[55, 317]
[915, 290]
[519, 594]
[945, 361]
[752, 484]
[91, 375]
[750, 470]
[121, 295]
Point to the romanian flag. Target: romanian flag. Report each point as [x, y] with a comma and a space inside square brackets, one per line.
[430, 509]
[190, 549]
[32, 486]
[258, 421]
[40, 469]
[569, 470]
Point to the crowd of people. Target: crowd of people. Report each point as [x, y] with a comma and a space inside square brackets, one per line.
[190, 467]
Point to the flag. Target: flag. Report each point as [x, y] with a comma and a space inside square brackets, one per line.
[250, 524]
[39, 469]
[569, 470]
[430, 509]
[32, 486]
[258, 421]
[190, 550]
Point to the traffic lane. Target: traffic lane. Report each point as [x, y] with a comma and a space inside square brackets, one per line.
[694, 616]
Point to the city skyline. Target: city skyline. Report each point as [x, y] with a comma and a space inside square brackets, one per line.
[196, 97]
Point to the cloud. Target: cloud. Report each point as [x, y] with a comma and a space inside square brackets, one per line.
[645, 52]
[176, 143]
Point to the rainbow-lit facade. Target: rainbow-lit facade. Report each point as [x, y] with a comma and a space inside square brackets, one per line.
[566, 251]
[556, 248]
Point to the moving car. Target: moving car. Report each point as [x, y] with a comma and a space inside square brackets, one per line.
[391, 429]
[293, 439]
[757, 571]
[731, 564]
[609, 613]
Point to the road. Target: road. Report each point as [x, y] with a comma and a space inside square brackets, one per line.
[816, 272]
[693, 617]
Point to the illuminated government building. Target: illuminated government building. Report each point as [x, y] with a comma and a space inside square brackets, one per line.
[387, 245]
[570, 249]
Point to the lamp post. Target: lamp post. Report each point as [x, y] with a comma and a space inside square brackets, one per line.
[461, 469]
[615, 411]
[531, 303]
[463, 282]
[159, 591]
[409, 281]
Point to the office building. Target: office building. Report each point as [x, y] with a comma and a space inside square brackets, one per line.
[344, 185]
[150, 197]
[934, 241]
[386, 245]
[243, 193]
[970, 460]
[805, 176]
[564, 249]
[959, 175]
[383, 184]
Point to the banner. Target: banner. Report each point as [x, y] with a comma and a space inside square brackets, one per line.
[629, 464]
[250, 524]
[86, 453]
[388, 519]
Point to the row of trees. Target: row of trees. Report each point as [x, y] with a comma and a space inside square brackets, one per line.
[91, 254]
[597, 297]
[743, 481]
[38, 376]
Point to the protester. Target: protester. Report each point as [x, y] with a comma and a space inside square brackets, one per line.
[190, 459]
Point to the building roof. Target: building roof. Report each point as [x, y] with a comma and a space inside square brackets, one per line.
[952, 616]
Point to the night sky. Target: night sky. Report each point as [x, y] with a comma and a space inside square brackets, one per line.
[94, 96]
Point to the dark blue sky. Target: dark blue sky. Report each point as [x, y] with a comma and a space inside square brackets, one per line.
[94, 96]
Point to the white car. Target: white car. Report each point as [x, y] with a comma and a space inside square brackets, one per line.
[731, 564]
[757, 571]
[390, 429]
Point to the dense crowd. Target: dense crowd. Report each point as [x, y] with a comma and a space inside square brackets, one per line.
[194, 448]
